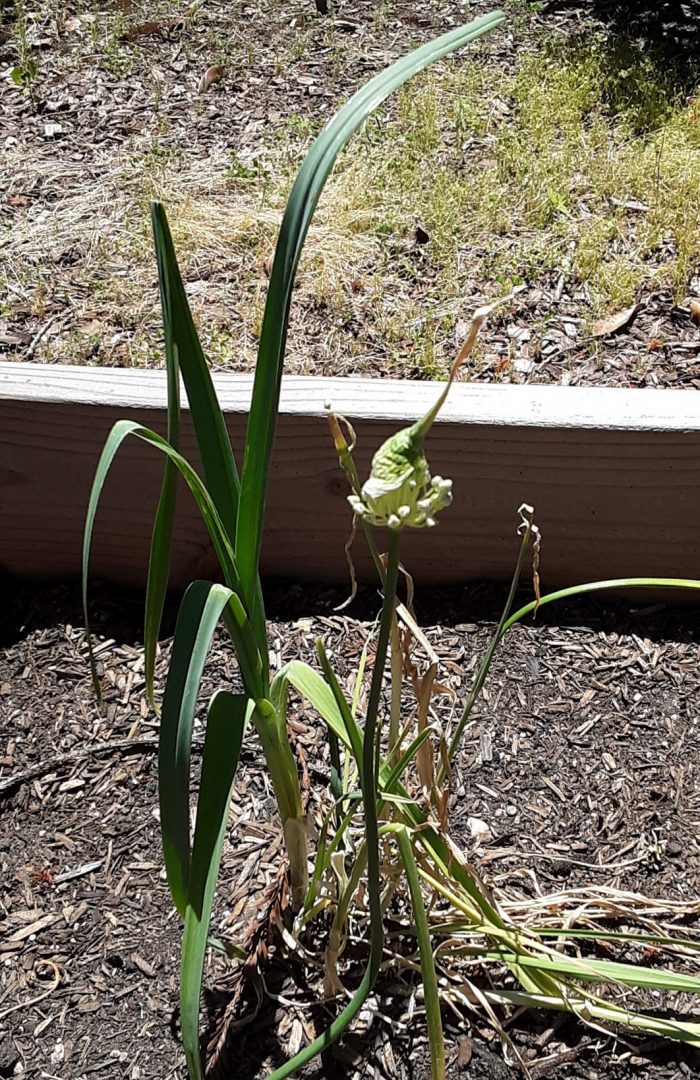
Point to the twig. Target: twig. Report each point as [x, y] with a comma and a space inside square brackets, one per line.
[38, 337]
[40, 997]
[80, 871]
[126, 746]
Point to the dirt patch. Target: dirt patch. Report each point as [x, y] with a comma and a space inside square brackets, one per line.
[582, 764]
[211, 107]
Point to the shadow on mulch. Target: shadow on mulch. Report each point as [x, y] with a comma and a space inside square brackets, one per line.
[119, 613]
[248, 1051]
[665, 32]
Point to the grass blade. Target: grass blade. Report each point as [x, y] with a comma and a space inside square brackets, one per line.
[590, 969]
[298, 214]
[199, 614]
[600, 1014]
[226, 723]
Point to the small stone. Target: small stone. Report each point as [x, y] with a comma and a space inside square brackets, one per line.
[511, 810]
[479, 830]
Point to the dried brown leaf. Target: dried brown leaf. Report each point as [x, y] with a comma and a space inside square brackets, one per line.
[141, 30]
[212, 75]
[464, 1051]
[612, 323]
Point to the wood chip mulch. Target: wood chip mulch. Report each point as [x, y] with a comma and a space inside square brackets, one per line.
[579, 771]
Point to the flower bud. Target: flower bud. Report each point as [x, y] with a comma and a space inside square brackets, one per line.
[400, 490]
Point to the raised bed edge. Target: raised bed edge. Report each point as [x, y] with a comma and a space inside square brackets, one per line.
[614, 476]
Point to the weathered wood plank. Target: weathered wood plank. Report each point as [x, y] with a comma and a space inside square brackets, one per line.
[614, 476]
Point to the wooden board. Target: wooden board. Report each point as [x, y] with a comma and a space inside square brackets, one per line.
[614, 476]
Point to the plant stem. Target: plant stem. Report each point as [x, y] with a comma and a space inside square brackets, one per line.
[271, 728]
[396, 680]
[427, 962]
[371, 741]
[368, 780]
[488, 657]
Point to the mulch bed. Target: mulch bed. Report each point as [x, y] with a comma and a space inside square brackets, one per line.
[77, 146]
[582, 764]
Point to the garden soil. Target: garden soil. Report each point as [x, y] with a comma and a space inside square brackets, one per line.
[580, 772]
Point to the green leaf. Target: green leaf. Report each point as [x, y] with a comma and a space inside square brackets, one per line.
[297, 218]
[603, 1011]
[405, 759]
[161, 539]
[121, 430]
[184, 354]
[600, 586]
[347, 713]
[427, 961]
[237, 621]
[485, 664]
[318, 693]
[158, 574]
[226, 724]
[626, 936]
[199, 614]
[591, 969]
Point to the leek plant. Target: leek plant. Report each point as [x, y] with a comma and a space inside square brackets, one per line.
[386, 820]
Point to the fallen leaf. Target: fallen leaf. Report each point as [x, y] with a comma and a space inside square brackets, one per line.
[211, 75]
[612, 323]
[630, 204]
[147, 29]
[92, 328]
[143, 966]
[479, 830]
[464, 1051]
[695, 311]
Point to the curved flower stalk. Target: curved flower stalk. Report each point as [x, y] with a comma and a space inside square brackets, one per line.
[400, 490]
